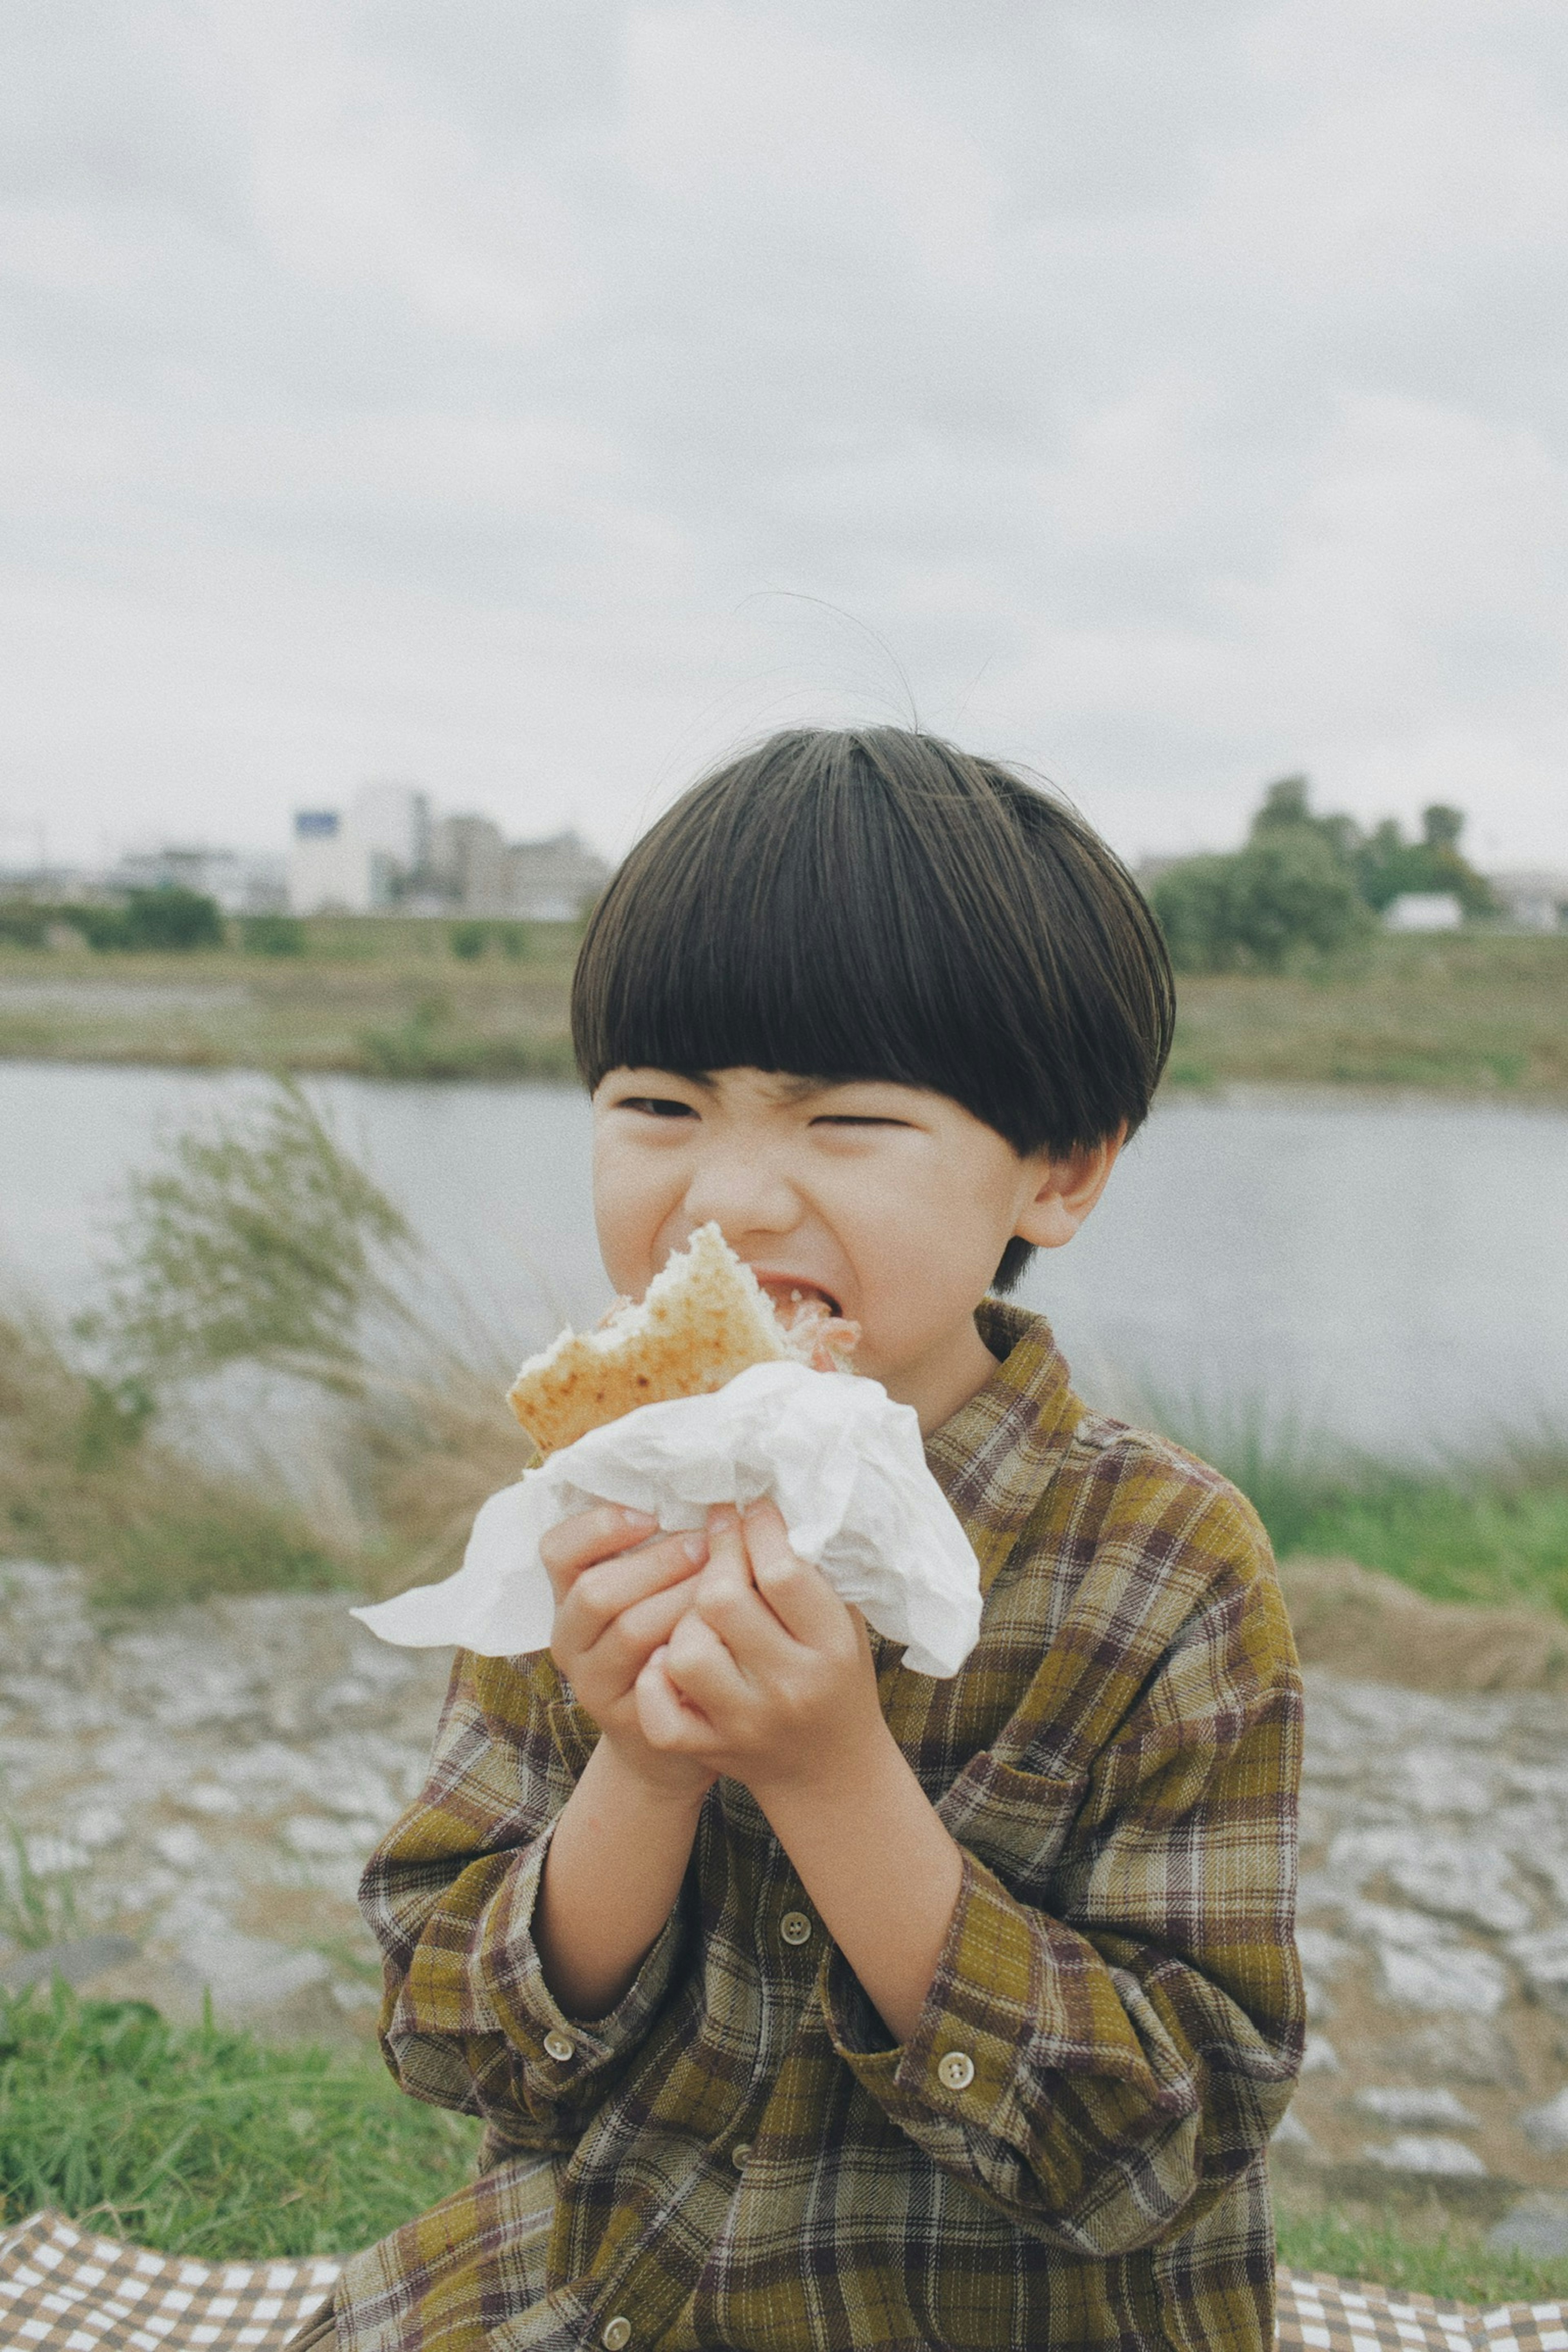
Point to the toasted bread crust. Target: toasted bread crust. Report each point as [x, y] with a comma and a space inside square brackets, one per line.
[703, 1320]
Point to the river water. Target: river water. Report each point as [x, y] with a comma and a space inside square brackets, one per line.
[1390, 1274]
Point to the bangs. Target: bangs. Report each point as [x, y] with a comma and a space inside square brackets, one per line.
[873, 904]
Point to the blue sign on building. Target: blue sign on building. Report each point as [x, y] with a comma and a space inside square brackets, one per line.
[316, 824]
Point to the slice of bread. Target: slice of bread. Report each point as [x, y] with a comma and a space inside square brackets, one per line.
[704, 1318]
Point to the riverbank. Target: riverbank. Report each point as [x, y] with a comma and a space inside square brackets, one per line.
[1472, 1014]
[192, 1795]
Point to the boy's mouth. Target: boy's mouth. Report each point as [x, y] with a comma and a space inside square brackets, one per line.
[788, 1291]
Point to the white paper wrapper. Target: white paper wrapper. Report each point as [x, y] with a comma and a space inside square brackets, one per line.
[843, 1462]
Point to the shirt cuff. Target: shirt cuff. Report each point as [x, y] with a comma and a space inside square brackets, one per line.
[1016, 1993]
[561, 2051]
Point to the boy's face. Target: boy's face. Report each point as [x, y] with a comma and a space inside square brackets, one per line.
[893, 1204]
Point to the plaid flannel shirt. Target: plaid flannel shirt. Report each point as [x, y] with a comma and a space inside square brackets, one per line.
[1069, 2148]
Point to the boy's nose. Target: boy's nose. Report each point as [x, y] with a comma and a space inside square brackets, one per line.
[742, 1193]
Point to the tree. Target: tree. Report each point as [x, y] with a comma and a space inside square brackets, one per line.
[1387, 865]
[1283, 896]
[173, 917]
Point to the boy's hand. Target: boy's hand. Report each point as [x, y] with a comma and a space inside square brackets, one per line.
[765, 1675]
[620, 1589]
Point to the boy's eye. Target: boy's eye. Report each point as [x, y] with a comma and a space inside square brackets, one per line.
[656, 1105]
[854, 1119]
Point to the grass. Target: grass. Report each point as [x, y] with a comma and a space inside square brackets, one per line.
[1491, 1532]
[1424, 2253]
[1474, 1013]
[202, 2142]
[82, 1481]
[208, 2143]
[1469, 1012]
[388, 996]
[35, 1911]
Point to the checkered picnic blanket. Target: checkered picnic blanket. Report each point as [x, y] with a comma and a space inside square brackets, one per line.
[65, 2289]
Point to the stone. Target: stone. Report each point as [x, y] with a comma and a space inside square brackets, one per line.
[1471, 1982]
[1429, 2153]
[1543, 1960]
[1454, 1878]
[54, 1857]
[1462, 2049]
[249, 1972]
[1396, 2104]
[1437, 1781]
[75, 1963]
[182, 1847]
[211, 1799]
[97, 1826]
[313, 1836]
[1320, 2056]
[1537, 2227]
[1546, 2127]
[1323, 1952]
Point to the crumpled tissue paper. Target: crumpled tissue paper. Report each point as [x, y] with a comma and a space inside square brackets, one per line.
[842, 1461]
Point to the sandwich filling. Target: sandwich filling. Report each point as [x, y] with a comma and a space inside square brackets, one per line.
[704, 1318]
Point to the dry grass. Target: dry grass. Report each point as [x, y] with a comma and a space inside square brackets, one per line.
[81, 1480]
[1472, 1013]
[1467, 1013]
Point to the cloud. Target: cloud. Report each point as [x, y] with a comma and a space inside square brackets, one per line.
[391, 390]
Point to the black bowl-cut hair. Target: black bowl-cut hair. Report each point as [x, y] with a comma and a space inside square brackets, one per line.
[872, 903]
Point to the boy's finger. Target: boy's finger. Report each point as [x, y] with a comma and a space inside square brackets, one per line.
[598, 1594]
[664, 1718]
[798, 1594]
[726, 1598]
[588, 1536]
[629, 1639]
[701, 1667]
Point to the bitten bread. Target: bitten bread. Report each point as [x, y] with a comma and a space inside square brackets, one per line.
[704, 1318]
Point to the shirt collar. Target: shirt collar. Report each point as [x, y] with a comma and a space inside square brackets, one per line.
[993, 1456]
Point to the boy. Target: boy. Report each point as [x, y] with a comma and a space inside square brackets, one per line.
[848, 2008]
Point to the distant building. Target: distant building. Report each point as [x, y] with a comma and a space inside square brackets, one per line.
[1423, 911]
[360, 860]
[385, 850]
[470, 866]
[556, 881]
[1532, 900]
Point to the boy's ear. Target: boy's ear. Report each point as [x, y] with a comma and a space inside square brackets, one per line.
[1066, 1190]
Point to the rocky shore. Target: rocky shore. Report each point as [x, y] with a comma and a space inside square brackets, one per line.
[189, 1799]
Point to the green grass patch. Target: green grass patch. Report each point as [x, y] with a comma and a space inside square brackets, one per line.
[1439, 2259]
[204, 2142]
[1492, 1533]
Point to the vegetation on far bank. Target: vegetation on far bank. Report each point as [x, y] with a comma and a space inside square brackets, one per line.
[1475, 1012]
[1306, 888]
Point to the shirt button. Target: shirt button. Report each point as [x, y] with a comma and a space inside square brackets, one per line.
[956, 2071]
[741, 2156]
[796, 1927]
[618, 2334]
[561, 2047]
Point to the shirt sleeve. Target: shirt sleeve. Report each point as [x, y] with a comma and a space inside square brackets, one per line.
[1116, 2021]
[468, 2020]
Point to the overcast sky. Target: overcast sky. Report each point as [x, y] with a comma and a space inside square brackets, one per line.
[475, 391]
